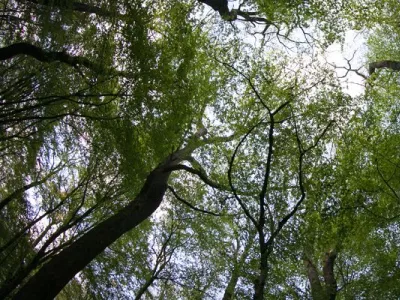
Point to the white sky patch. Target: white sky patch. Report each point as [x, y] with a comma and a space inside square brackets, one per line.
[347, 57]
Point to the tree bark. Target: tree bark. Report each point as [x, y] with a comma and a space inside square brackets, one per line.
[221, 6]
[56, 273]
[259, 284]
[230, 288]
[388, 64]
[76, 6]
[23, 48]
[238, 264]
[329, 276]
[145, 287]
[41, 55]
[317, 291]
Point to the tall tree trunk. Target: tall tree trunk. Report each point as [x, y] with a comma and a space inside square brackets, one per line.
[329, 290]
[230, 288]
[317, 291]
[56, 273]
[329, 276]
[262, 277]
[260, 285]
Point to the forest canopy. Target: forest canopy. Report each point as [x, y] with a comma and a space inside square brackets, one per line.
[202, 149]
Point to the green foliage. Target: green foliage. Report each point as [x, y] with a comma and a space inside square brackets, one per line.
[307, 168]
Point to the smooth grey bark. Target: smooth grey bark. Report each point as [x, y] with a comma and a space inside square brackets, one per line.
[317, 291]
[238, 264]
[329, 290]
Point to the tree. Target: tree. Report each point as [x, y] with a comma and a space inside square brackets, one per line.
[142, 140]
[105, 117]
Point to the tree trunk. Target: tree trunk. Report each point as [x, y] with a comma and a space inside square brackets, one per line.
[55, 274]
[389, 64]
[317, 291]
[221, 6]
[230, 288]
[329, 276]
[259, 284]
[145, 287]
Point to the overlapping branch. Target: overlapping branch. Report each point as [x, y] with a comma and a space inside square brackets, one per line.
[221, 6]
[23, 48]
[76, 6]
[187, 203]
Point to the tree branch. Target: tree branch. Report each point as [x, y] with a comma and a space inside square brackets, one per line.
[234, 190]
[388, 64]
[200, 174]
[76, 6]
[179, 198]
[221, 6]
[41, 55]
[263, 192]
[248, 79]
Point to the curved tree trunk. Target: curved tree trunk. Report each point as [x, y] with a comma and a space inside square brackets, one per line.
[56, 273]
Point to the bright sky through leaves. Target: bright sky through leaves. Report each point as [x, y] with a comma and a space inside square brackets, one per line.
[199, 149]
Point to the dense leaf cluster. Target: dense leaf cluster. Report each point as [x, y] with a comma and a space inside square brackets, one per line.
[198, 150]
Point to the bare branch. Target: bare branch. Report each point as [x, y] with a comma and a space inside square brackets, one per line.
[234, 190]
[221, 6]
[248, 79]
[349, 68]
[200, 174]
[180, 199]
[261, 220]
